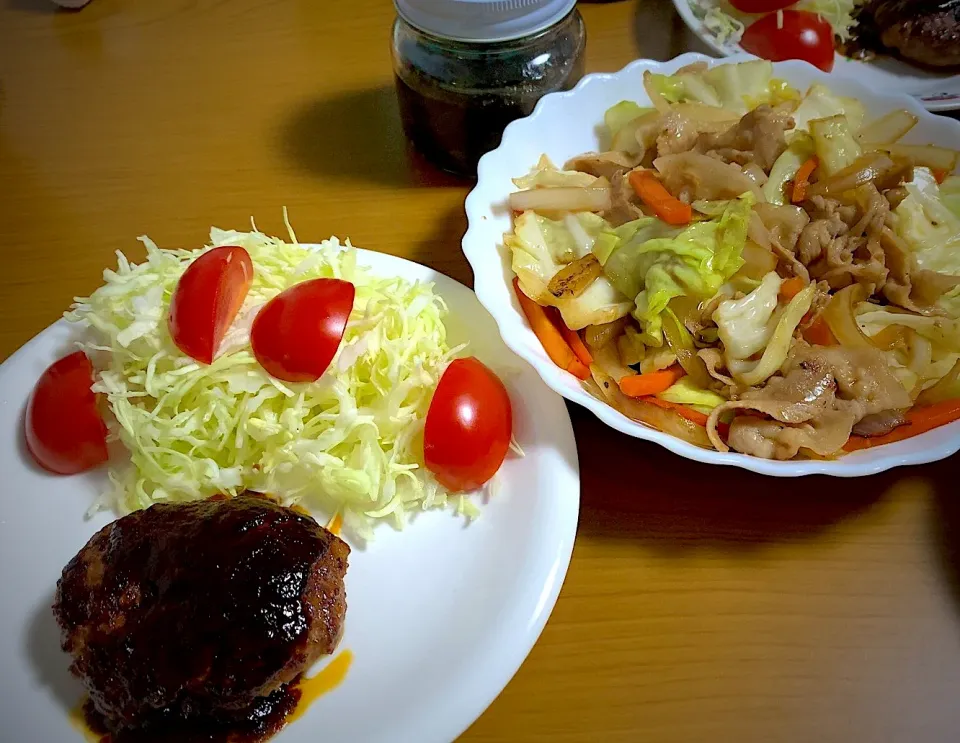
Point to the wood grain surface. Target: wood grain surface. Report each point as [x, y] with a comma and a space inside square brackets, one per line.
[702, 604]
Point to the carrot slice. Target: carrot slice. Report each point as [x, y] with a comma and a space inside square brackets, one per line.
[819, 334]
[919, 420]
[940, 175]
[792, 287]
[802, 180]
[644, 385]
[652, 193]
[572, 337]
[694, 416]
[549, 335]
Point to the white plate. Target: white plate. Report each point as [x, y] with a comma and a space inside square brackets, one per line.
[935, 91]
[440, 615]
[565, 124]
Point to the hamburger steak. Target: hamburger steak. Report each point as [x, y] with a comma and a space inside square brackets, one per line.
[922, 31]
[200, 612]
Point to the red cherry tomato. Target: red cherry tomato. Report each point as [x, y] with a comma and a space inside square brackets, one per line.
[803, 35]
[761, 6]
[63, 427]
[468, 427]
[207, 299]
[297, 333]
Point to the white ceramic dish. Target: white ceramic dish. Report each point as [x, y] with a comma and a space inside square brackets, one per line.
[565, 124]
[935, 91]
[440, 615]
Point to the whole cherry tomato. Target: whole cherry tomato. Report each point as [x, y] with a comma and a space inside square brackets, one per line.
[801, 35]
[208, 297]
[761, 6]
[63, 427]
[469, 426]
[297, 333]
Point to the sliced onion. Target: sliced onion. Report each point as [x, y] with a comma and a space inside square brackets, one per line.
[681, 343]
[926, 155]
[607, 360]
[658, 101]
[561, 200]
[948, 388]
[888, 129]
[839, 315]
[864, 169]
[643, 412]
[597, 336]
[757, 261]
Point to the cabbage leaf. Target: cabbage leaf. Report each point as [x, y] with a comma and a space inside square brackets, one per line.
[540, 247]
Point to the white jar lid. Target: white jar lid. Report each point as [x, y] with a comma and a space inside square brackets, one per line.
[482, 20]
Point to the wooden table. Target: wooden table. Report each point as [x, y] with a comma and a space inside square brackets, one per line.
[702, 604]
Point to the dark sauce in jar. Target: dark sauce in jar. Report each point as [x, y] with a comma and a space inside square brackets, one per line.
[456, 97]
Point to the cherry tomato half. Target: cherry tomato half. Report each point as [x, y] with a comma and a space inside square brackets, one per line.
[297, 333]
[803, 35]
[761, 6]
[468, 427]
[63, 427]
[207, 299]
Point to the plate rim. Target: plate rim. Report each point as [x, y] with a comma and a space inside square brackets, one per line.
[496, 296]
[489, 680]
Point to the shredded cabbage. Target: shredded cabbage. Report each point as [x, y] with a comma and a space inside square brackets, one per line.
[351, 443]
[838, 13]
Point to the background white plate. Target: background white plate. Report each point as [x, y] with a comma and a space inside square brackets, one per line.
[936, 91]
[440, 615]
[565, 124]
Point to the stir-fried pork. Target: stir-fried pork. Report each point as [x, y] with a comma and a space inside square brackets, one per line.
[822, 393]
[757, 138]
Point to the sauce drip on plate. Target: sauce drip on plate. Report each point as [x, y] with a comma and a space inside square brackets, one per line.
[261, 721]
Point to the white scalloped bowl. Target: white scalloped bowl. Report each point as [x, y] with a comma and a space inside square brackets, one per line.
[566, 124]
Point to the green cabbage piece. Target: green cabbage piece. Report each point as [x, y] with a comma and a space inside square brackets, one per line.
[785, 168]
[834, 143]
[655, 262]
[752, 373]
[821, 103]
[685, 392]
[618, 116]
[349, 443]
[546, 175]
[932, 230]
[950, 194]
[746, 325]
[540, 247]
[737, 87]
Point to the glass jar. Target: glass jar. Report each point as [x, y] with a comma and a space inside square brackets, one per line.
[465, 69]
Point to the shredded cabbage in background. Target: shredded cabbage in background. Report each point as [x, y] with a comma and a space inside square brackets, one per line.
[350, 443]
[727, 24]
